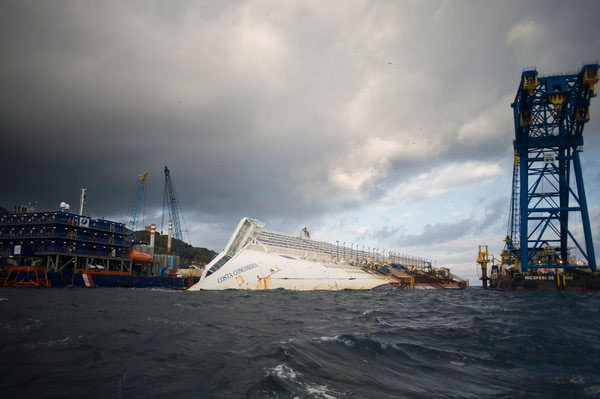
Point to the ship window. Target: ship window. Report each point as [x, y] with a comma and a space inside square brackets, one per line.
[218, 265]
[237, 242]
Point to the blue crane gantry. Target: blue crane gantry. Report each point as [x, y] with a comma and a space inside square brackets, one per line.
[137, 201]
[549, 115]
[171, 202]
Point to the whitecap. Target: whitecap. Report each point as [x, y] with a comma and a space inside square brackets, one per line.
[593, 389]
[576, 379]
[320, 391]
[326, 339]
[284, 372]
[161, 290]
[51, 343]
[292, 340]
[56, 342]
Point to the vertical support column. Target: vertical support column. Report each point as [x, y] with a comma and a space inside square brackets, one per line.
[563, 162]
[483, 260]
[585, 216]
[484, 277]
[524, 205]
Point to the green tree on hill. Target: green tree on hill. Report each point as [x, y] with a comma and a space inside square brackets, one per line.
[195, 255]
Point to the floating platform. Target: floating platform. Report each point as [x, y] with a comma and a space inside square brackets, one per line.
[58, 249]
[508, 276]
[573, 282]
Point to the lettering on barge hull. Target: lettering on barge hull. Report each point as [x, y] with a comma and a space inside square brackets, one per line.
[549, 278]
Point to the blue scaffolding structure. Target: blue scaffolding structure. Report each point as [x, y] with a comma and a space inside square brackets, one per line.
[549, 116]
[64, 241]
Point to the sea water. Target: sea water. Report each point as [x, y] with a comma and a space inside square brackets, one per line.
[146, 343]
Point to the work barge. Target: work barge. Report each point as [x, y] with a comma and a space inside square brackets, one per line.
[543, 248]
[59, 249]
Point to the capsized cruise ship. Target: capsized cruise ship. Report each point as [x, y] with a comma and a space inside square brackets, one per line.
[257, 259]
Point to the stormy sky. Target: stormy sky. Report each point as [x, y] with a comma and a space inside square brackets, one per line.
[378, 123]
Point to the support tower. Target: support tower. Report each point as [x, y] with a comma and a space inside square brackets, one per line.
[549, 115]
[137, 202]
[171, 203]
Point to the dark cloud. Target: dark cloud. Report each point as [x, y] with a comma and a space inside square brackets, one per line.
[265, 109]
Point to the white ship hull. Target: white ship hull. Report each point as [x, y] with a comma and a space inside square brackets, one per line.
[256, 259]
[253, 269]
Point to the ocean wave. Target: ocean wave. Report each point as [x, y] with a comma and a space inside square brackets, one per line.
[184, 323]
[22, 325]
[320, 391]
[592, 390]
[283, 381]
[427, 344]
[49, 343]
[283, 371]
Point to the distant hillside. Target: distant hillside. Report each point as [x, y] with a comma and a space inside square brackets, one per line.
[3, 210]
[197, 256]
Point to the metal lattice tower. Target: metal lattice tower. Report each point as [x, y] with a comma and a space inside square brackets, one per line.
[515, 216]
[172, 204]
[549, 115]
[137, 201]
